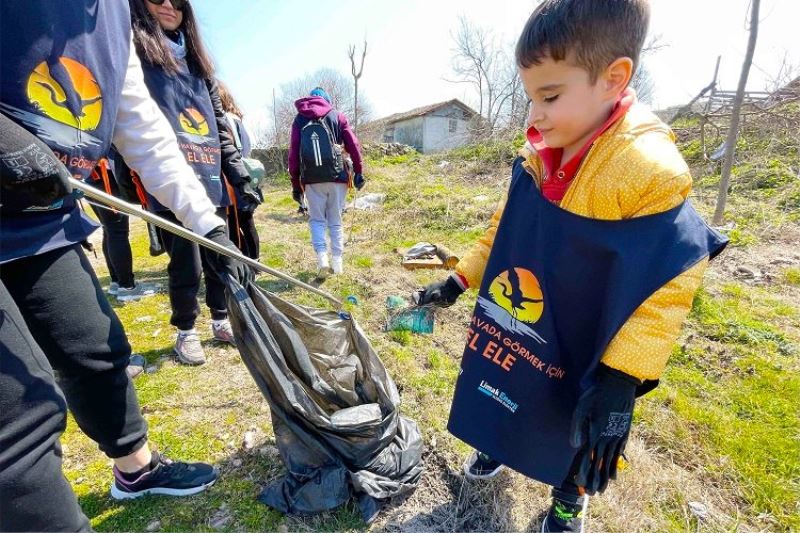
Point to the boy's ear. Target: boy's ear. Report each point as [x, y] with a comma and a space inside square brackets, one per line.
[617, 76]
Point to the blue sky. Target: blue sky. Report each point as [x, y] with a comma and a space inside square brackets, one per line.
[260, 44]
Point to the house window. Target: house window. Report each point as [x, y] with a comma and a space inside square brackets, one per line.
[453, 125]
[388, 135]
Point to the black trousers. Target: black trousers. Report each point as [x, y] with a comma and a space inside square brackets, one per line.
[186, 262]
[245, 236]
[116, 246]
[55, 317]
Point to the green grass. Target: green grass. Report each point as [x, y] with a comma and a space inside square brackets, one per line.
[362, 261]
[792, 276]
[733, 398]
[725, 417]
[495, 152]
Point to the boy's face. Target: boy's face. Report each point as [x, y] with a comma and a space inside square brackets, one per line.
[565, 106]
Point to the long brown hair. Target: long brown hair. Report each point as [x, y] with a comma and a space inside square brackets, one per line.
[228, 103]
[151, 41]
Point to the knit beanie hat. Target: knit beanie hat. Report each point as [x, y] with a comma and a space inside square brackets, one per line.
[319, 91]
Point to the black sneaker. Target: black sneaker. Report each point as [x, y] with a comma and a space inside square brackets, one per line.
[566, 513]
[481, 466]
[173, 478]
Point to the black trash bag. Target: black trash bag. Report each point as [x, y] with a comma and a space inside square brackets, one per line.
[334, 407]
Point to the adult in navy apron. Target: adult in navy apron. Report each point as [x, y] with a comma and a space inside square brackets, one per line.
[546, 312]
[56, 82]
[62, 69]
[178, 73]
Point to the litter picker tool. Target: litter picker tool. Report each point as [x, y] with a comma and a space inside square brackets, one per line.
[107, 200]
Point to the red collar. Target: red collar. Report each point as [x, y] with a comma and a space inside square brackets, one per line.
[558, 177]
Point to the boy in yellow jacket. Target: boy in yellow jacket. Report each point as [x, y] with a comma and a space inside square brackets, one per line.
[585, 273]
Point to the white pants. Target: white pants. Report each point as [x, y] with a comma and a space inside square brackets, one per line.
[325, 202]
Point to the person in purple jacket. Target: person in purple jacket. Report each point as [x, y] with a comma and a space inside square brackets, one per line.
[316, 166]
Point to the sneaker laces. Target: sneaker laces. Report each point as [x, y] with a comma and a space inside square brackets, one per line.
[188, 337]
[166, 467]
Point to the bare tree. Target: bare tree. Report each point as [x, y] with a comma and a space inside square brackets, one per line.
[653, 44]
[356, 75]
[481, 62]
[336, 84]
[733, 130]
[787, 72]
[642, 81]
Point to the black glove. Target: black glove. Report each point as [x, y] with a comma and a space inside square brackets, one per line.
[442, 293]
[249, 198]
[359, 181]
[297, 195]
[30, 174]
[224, 265]
[600, 427]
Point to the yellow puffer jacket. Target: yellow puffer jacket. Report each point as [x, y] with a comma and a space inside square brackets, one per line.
[633, 169]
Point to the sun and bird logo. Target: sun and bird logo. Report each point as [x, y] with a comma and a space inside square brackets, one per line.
[192, 121]
[67, 92]
[515, 302]
[518, 291]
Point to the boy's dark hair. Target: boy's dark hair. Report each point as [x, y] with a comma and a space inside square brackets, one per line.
[591, 33]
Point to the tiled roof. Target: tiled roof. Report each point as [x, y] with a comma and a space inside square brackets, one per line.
[424, 110]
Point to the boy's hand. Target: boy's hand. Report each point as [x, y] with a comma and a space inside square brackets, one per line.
[442, 293]
[297, 195]
[600, 427]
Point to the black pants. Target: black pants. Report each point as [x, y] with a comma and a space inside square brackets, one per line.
[245, 236]
[52, 304]
[186, 262]
[116, 247]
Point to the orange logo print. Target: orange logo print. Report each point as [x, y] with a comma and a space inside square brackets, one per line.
[518, 291]
[192, 121]
[67, 92]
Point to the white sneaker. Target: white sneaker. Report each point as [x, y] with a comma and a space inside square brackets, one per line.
[137, 292]
[188, 349]
[223, 332]
[336, 264]
[324, 268]
[113, 288]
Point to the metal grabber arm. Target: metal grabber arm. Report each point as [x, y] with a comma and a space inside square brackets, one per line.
[108, 200]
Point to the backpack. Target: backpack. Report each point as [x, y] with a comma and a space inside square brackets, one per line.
[255, 168]
[320, 155]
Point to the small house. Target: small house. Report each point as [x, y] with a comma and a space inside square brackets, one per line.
[431, 128]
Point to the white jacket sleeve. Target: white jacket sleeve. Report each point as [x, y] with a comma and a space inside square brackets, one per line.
[148, 144]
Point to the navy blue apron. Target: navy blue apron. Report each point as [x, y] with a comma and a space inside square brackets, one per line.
[184, 100]
[556, 289]
[62, 66]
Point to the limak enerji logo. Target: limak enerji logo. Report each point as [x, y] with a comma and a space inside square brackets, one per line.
[498, 395]
[192, 121]
[67, 92]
